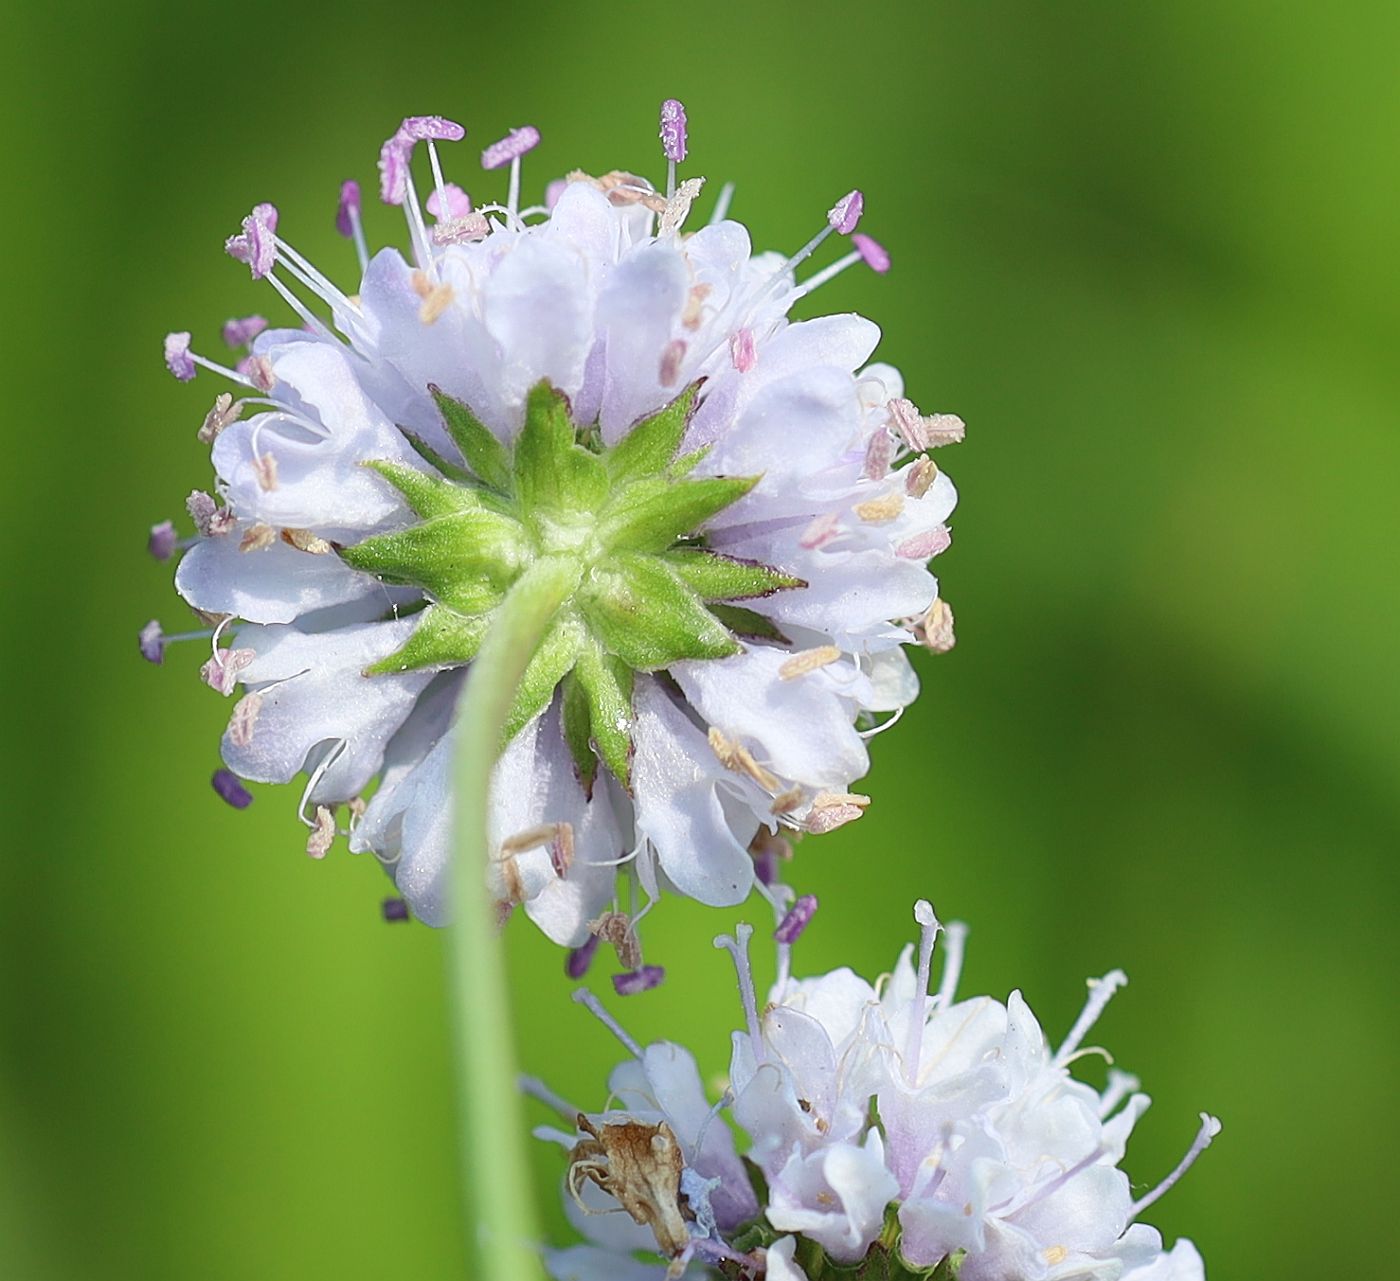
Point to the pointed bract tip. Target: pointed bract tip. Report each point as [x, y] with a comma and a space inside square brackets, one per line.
[514, 145]
[845, 213]
[347, 208]
[872, 252]
[177, 356]
[231, 789]
[673, 130]
[638, 980]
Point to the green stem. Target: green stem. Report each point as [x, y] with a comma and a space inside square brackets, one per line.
[495, 1178]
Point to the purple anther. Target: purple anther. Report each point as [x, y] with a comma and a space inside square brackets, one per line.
[266, 213]
[242, 330]
[434, 128]
[845, 213]
[458, 203]
[577, 962]
[393, 168]
[872, 252]
[394, 909]
[673, 131]
[638, 980]
[348, 209]
[932, 542]
[798, 918]
[553, 192]
[260, 232]
[161, 543]
[177, 356]
[152, 642]
[765, 866]
[231, 790]
[514, 145]
[742, 351]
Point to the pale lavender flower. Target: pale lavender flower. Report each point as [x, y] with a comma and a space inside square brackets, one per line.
[887, 1119]
[751, 584]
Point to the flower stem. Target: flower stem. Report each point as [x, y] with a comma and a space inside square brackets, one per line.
[494, 1170]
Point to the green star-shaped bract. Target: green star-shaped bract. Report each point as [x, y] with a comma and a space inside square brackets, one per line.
[622, 521]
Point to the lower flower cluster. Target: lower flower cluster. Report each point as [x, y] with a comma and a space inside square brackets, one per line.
[893, 1131]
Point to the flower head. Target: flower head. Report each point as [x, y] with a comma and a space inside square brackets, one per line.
[742, 502]
[944, 1135]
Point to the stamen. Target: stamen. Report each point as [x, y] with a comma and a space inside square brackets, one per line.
[537, 1089]
[843, 216]
[181, 361]
[721, 209]
[694, 311]
[347, 220]
[866, 250]
[1210, 1127]
[742, 351]
[241, 331]
[514, 145]
[954, 944]
[582, 996]
[256, 244]
[244, 718]
[673, 139]
[1120, 1085]
[509, 150]
[394, 909]
[577, 962]
[872, 252]
[322, 833]
[799, 916]
[231, 789]
[769, 852]
[257, 537]
[734, 756]
[450, 202]
[821, 531]
[925, 546]
[617, 929]
[924, 431]
[738, 949]
[671, 357]
[161, 542]
[831, 810]
[460, 231]
[1100, 993]
[221, 672]
[642, 980]
[808, 660]
[919, 477]
[224, 411]
[934, 631]
[918, 1014]
[177, 356]
[396, 175]
[152, 642]
[879, 511]
[879, 453]
[677, 207]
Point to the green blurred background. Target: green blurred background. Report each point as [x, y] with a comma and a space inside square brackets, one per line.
[1149, 251]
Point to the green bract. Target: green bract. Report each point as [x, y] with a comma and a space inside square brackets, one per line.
[621, 523]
